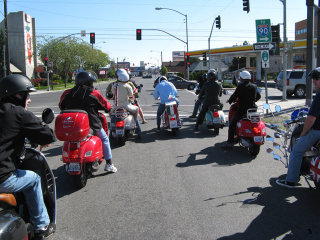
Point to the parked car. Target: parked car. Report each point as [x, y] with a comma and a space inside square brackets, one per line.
[178, 82]
[296, 82]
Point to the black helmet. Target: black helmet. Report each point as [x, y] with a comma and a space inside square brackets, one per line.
[212, 76]
[15, 83]
[315, 73]
[86, 78]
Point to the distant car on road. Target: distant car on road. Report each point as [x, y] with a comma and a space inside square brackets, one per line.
[178, 82]
[147, 76]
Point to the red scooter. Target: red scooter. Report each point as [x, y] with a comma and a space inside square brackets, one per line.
[81, 152]
[170, 117]
[250, 130]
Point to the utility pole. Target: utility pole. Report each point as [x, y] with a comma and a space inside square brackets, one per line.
[310, 52]
[318, 37]
[7, 37]
[285, 58]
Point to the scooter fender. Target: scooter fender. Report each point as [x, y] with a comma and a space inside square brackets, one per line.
[255, 131]
[130, 123]
[76, 154]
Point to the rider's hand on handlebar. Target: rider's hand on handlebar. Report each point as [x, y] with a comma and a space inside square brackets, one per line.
[44, 146]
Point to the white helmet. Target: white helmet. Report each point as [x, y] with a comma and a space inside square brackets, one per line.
[212, 70]
[122, 75]
[245, 75]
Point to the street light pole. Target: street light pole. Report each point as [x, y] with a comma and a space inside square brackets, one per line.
[185, 15]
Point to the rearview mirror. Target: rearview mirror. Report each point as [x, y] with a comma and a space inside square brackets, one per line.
[266, 106]
[276, 157]
[47, 115]
[278, 108]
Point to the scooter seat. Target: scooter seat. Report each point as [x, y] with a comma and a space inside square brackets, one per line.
[8, 198]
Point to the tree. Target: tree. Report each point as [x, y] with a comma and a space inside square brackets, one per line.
[163, 70]
[70, 54]
[237, 63]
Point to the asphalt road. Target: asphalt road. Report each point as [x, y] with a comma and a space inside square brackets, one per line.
[183, 187]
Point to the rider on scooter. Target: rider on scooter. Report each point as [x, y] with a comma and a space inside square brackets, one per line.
[167, 93]
[122, 93]
[199, 100]
[309, 136]
[247, 95]
[16, 124]
[83, 96]
[211, 91]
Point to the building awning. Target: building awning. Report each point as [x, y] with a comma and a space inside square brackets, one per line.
[14, 69]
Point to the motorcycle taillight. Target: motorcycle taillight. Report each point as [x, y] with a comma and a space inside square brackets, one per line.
[120, 124]
[216, 114]
[172, 119]
[256, 130]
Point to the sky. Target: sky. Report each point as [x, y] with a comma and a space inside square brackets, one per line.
[115, 22]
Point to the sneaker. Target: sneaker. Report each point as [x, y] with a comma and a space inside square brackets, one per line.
[158, 130]
[193, 116]
[144, 122]
[284, 183]
[110, 168]
[44, 232]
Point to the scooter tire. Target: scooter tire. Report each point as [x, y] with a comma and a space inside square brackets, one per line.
[82, 178]
[121, 141]
[254, 150]
[174, 131]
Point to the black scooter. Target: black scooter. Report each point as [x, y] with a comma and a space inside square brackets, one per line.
[14, 218]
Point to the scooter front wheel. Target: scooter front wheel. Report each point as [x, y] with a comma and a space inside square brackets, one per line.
[82, 178]
[254, 150]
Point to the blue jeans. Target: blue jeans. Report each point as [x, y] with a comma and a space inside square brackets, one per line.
[301, 146]
[138, 129]
[105, 143]
[29, 183]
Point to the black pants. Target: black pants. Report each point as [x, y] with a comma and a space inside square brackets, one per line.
[233, 124]
[204, 109]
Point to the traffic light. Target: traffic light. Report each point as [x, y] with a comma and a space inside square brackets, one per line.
[246, 6]
[188, 58]
[275, 32]
[46, 61]
[218, 22]
[92, 38]
[138, 34]
[204, 55]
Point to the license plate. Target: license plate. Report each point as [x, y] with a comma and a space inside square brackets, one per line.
[74, 167]
[173, 124]
[119, 132]
[216, 120]
[258, 139]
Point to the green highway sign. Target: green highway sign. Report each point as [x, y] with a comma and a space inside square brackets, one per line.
[265, 58]
[263, 30]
